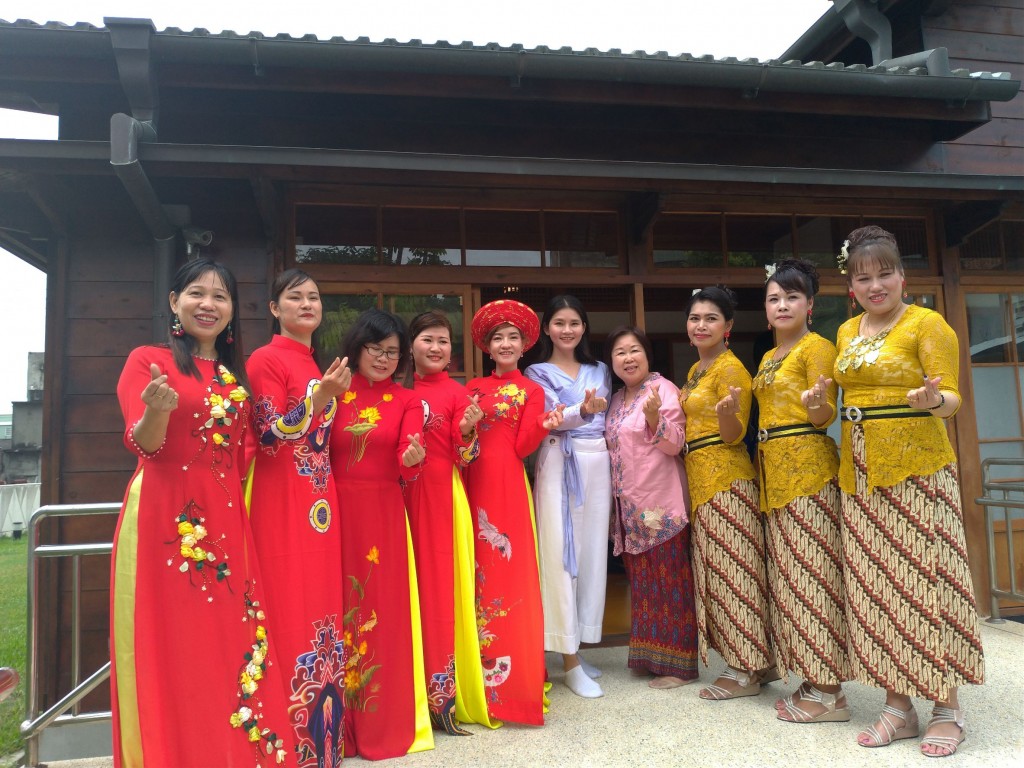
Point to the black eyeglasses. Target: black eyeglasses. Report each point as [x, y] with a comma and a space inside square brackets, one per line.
[379, 352]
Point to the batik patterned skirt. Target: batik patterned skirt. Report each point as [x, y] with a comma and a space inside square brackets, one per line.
[910, 601]
[663, 635]
[805, 572]
[729, 571]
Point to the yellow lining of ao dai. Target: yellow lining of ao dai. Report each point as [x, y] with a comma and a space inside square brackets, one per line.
[716, 467]
[799, 465]
[920, 343]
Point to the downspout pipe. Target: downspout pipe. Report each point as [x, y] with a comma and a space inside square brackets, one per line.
[863, 19]
[125, 134]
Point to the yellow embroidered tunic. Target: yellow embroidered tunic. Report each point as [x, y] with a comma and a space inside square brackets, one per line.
[797, 465]
[716, 467]
[921, 343]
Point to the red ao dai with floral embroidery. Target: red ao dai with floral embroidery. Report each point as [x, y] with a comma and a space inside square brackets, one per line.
[192, 641]
[385, 690]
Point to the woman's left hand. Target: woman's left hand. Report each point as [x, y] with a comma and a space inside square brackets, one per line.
[730, 403]
[415, 453]
[927, 397]
[553, 419]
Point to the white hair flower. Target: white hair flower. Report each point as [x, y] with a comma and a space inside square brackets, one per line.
[696, 291]
[843, 257]
[769, 271]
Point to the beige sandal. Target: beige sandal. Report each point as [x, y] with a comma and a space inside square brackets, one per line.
[747, 685]
[889, 732]
[942, 715]
[834, 712]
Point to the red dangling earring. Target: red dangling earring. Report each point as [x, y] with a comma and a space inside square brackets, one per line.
[769, 326]
[810, 317]
[230, 339]
[905, 294]
[853, 301]
[176, 330]
[726, 339]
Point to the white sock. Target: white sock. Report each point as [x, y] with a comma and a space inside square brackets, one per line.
[581, 684]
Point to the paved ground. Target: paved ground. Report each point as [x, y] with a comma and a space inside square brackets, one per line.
[635, 726]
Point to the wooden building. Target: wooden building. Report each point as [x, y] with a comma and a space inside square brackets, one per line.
[410, 175]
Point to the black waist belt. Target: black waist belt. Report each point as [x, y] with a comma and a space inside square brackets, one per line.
[788, 430]
[856, 415]
[703, 442]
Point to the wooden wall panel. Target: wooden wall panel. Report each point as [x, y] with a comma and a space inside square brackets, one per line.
[985, 36]
[92, 375]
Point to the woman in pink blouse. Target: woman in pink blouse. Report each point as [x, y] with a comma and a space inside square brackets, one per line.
[645, 432]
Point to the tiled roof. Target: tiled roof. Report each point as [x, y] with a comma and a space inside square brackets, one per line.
[589, 63]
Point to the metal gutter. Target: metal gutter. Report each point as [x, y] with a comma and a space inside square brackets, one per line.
[125, 134]
[244, 157]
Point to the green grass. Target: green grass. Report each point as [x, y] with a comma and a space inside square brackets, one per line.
[13, 555]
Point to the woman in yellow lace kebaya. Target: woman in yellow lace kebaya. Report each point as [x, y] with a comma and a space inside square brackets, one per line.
[910, 601]
[728, 539]
[798, 464]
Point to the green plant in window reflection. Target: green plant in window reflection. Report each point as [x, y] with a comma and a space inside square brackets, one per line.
[417, 257]
[336, 254]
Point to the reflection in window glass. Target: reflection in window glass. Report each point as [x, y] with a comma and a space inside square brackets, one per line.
[408, 306]
[754, 241]
[503, 238]
[829, 313]
[990, 336]
[335, 234]
[421, 236]
[576, 239]
[819, 238]
[996, 246]
[688, 240]
[340, 310]
[911, 237]
[991, 384]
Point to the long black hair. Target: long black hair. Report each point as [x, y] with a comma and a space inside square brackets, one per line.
[372, 327]
[582, 351]
[292, 278]
[231, 355]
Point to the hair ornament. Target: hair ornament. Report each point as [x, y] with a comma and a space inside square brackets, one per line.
[844, 255]
[769, 271]
[696, 291]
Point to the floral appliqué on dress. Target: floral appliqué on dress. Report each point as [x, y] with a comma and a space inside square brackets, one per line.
[360, 687]
[510, 401]
[362, 425]
[198, 552]
[254, 667]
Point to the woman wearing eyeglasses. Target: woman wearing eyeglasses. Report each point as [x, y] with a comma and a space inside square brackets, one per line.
[375, 445]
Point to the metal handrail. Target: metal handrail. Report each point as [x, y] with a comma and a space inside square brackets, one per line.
[35, 721]
[989, 501]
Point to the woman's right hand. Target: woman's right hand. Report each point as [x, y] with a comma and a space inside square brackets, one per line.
[592, 403]
[337, 379]
[651, 407]
[158, 394]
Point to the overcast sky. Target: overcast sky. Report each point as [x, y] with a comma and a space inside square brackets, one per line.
[760, 29]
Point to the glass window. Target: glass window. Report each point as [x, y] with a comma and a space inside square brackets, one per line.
[340, 310]
[818, 238]
[421, 236]
[829, 313]
[408, 306]
[996, 246]
[991, 383]
[503, 238]
[688, 240]
[335, 234]
[754, 241]
[911, 237]
[988, 323]
[575, 239]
